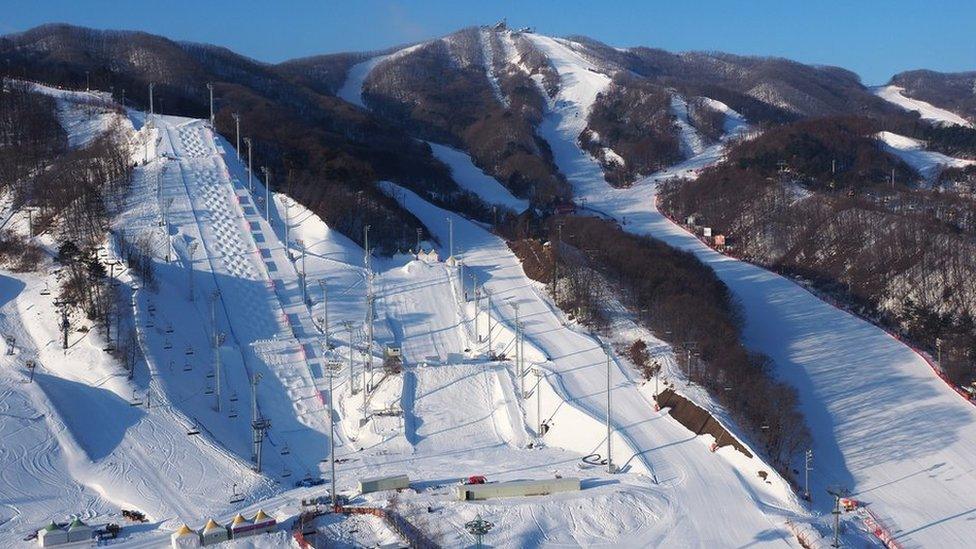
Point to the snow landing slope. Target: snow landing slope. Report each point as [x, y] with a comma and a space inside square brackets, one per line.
[884, 426]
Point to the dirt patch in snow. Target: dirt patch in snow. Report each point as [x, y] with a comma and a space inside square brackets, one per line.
[697, 420]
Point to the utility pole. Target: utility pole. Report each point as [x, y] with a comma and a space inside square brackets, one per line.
[30, 222]
[151, 110]
[284, 202]
[216, 341]
[87, 82]
[267, 194]
[836, 513]
[333, 366]
[210, 88]
[366, 261]
[250, 186]
[237, 125]
[610, 466]
[521, 350]
[808, 466]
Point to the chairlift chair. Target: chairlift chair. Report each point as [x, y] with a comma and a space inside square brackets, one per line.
[285, 473]
[187, 366]
[233, 413]
[45, 290]
[192, 430]
[189, 350]
[235, 496]
[233, 397]
[285, 450]
[210, 375]
[169, 328]
[135, 400]
[167, 344]
[209, 390]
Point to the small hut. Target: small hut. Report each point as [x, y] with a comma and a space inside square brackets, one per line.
[185, 537]
[51, 535]
[213, 533]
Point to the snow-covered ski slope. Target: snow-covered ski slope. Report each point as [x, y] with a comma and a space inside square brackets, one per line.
[708, 499]
[927, 163]
[472, 178]
[928, 111]
[884, 426]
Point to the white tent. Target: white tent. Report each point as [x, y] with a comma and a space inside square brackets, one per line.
[185, 537]
[79, 531]
[52, 534]
[213, 533]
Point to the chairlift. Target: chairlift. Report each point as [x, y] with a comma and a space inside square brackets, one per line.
[152, 309]
[209, 390]
[135, 400]
[150, 324]
[210, 375]
[169, 328]
[189, 350]
[233, 413]
[285, 450]
[187, 366]
[235, 496]
[233, 397]
[286, 473]
[192, 430]
[46, 290]
[167, 344]
[108, 348]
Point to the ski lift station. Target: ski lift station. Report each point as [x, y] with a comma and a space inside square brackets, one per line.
[516, 488]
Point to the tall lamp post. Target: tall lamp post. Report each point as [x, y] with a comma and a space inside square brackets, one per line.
[250, 186]
[237, 125]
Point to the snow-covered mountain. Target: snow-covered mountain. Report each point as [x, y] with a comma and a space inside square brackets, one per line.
[458, 148]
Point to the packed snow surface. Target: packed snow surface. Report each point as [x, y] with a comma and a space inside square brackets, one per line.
[472, 178]
[352, 88]
[928, 111]
[884, 426]
[912, 151]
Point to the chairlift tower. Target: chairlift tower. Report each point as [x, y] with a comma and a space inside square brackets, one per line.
[152, 111]
[838, 492]
[191, 250]
[478, 528]
[259, 425]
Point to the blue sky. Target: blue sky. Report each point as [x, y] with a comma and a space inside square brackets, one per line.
[873, 38]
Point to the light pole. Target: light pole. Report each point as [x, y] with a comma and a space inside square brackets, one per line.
[151, 109]
[352, 380]
[610, 467]
[250, 186]
[267, 194]
[333, 367]
[210, 88]
[325, 312]
[488, 304]
[237, 126]
[538, 399]
[450, 232]
[808, 466]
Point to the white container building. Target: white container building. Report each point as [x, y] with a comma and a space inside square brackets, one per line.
[376, 484]
[516, 488]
